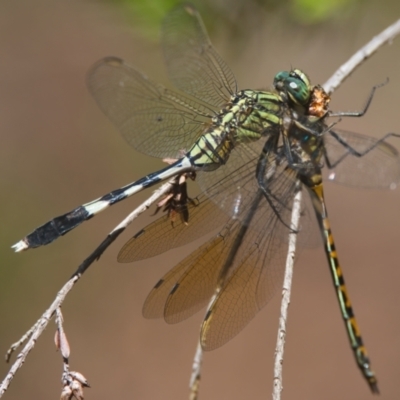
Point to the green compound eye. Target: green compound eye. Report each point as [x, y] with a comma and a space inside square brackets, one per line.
[294, 84]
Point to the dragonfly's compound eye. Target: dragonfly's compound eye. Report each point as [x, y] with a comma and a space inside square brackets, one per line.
[295, 85]
[299, 74]
[280, 80]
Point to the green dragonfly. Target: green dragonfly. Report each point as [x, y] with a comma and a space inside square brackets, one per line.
[250, 151]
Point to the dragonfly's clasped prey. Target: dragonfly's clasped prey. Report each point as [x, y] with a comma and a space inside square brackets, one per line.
[250, 151]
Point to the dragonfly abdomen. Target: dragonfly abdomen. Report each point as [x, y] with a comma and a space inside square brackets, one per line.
[211, 150]
[352, 328]
[62, 224]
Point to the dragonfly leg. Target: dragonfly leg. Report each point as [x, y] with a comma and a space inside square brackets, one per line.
[263, 178]
[365, 109]
[352, 150]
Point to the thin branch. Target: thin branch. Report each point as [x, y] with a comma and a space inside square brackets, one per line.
[33, 334]
[39, 327]
[194, 383]
[286, 292]
[73, 382]
[386, 36]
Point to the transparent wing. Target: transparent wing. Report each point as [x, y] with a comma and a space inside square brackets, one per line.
[232, 186]
[161, 235]
[245, 264]
[201, 273]
[192, 62]
[154, 304]
[195, 287]
[151, 118]
[361, 160]
[256, 274]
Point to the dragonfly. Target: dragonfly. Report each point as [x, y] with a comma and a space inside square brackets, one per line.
[249, 151]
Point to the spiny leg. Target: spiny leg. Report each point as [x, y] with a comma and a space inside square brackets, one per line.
[352, 150]
[365, 109]
[263, 178]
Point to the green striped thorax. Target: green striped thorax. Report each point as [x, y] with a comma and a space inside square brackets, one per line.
[252, 114]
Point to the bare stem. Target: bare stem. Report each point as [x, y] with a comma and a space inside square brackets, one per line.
[286, 292]
[386, 36]
[196, 373]
[39, 327]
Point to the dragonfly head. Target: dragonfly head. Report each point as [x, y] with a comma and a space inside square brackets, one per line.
[294, 86]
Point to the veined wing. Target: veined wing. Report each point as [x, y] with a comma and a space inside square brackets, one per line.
[161, 235]
[232, 186]
[153, 119]
[361, 161]
[193, 64]
[245, 264]
[257, 271]
[189, 285]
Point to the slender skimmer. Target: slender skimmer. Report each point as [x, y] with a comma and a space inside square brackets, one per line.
[251, 150]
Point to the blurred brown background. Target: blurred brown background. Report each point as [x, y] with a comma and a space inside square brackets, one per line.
[58, 151]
